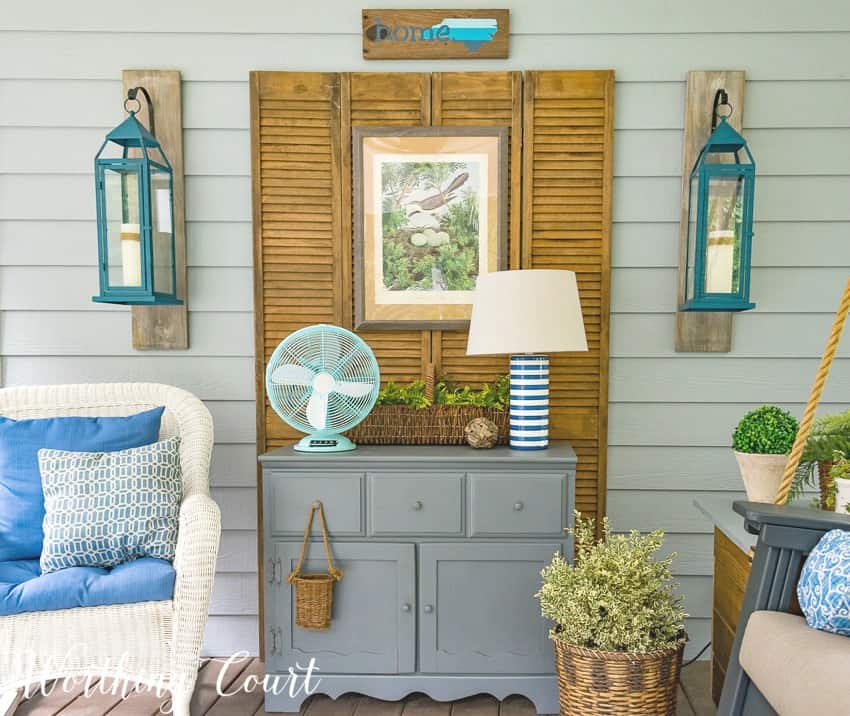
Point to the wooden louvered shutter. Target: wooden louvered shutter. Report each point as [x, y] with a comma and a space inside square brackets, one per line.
[561, 150]
[480, 99]
[567, 176]
[387, 100]
[297, 217]
[561, 147]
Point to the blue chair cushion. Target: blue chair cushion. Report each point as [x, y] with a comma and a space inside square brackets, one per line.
[823, 589]
[23, 588]
[21, 498]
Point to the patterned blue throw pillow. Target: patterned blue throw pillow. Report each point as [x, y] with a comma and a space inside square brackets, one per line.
[104, 509]
[824, 586]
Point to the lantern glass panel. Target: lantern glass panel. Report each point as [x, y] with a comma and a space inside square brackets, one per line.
[162, 231]
[723, 239]
[692, 238]
[123, 227]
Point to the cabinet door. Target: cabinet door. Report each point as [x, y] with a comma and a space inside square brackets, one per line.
[374, 610]
[477, 610]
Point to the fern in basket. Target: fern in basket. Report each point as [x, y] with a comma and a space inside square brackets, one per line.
[617, 597]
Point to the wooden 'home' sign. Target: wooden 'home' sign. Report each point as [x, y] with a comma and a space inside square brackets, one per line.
[435, 34]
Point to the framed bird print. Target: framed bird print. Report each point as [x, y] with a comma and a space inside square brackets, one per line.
[430, 216]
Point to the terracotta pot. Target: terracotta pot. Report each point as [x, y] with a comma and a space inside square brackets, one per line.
[842, 495]
[762, 474]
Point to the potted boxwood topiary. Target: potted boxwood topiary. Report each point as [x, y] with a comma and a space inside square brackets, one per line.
[762, 441]
[619, 626]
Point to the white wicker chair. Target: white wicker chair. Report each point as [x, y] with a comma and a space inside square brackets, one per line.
[152, 643]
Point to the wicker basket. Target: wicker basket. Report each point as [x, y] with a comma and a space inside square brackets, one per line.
[435, 425]
[314, 592]
[593, 682]
[825, 484]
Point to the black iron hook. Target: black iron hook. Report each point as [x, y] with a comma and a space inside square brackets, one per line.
[132, 97]
[721, 99]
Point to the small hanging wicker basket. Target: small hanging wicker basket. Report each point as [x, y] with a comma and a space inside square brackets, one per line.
[314, 592]
[592, 682]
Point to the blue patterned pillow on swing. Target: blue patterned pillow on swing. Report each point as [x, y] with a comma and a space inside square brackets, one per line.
[824, 586]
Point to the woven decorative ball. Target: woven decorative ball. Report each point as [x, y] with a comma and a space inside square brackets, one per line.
[481, 433]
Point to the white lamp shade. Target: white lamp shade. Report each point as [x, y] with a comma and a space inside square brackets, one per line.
[531, 311]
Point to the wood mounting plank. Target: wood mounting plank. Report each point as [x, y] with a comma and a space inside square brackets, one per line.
[702, 331]
[165, 327]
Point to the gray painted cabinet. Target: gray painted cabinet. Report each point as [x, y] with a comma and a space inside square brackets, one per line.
[442, 549]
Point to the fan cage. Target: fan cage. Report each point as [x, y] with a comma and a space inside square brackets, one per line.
[324, 349]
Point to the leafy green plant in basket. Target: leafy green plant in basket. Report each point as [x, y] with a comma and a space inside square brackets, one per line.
[491, 395]
[618, 596]
[762, 441]
[413, 395]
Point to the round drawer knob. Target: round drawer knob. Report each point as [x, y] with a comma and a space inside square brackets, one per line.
[418, 505]
[428, 609]
[518, 506]
[405, 607]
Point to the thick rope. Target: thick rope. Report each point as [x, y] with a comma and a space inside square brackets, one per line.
[814, 398]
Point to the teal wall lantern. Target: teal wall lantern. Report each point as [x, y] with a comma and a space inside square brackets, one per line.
[135, 214]
[720, 220]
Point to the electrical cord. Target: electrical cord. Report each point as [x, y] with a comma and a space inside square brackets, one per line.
[701, 652]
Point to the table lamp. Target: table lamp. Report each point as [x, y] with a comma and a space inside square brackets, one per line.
[527, 313]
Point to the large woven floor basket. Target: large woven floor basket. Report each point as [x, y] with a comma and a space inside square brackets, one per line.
[593, 683]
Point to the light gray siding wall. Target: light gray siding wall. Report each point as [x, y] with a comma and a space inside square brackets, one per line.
[671, 415]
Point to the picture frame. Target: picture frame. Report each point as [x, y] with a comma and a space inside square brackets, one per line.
[430, 214]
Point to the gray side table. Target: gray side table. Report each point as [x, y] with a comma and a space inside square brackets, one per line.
[442, 549]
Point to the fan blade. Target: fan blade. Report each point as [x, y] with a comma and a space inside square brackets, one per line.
[317, 410]
[292, 374]
[353, 390]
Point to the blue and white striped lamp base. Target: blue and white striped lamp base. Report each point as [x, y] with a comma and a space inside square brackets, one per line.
[529, 411]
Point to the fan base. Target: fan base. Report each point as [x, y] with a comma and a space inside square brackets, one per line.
[324, 443]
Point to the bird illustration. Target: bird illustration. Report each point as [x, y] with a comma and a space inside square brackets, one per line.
[441, 198]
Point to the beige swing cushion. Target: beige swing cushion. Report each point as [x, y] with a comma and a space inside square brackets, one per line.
[799, 670]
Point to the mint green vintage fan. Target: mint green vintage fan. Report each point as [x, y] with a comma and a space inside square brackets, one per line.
[323, 380]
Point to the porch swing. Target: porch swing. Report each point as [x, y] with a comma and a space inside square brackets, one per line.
[768, 683]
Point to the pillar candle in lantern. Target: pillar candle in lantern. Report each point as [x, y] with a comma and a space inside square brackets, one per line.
[720, 261]
[131, 254]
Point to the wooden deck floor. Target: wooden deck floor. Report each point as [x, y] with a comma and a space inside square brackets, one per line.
[694, 700]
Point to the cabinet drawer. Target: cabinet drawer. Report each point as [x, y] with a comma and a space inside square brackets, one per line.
[517, 504]
[415, 503]
[289, 498]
